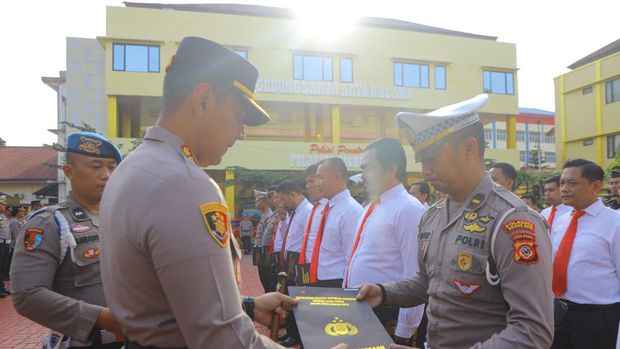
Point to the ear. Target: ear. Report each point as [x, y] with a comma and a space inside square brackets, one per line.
[202, 98]
[68, 170]
[597, 186]
[470, 146]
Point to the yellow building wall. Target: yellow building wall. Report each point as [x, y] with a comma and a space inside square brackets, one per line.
[581, 111]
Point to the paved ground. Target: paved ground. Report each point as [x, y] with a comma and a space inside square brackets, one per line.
[17, 332]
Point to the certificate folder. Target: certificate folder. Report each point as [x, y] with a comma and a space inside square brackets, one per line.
[328, 316]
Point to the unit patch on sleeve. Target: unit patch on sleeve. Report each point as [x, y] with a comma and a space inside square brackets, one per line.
[33, 238]
[519, 225]
[215, 216]
[524, 245]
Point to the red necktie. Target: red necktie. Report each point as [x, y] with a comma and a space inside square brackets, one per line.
[314, 266]
[302, 254]
[359, 233]
[285, 236]
[551, 217]
[273, 237]
[562, 256]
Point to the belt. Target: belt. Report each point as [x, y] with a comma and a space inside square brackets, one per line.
[5, 241]
[133, 345]
[568, 305]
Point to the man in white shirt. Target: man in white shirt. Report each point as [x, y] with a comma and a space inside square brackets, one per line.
[586, 264]
[386, 241]
[336, 226]
[421, 191]
[554, 199]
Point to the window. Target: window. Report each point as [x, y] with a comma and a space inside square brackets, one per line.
[440, 77]
[522, 156]
[549, 139]
[520, 136]
[612, 91]
[242, 53]
[549, 157]
[587, 90]
[501, 135]
[346, 70]
[312, 68]
[587, 142]
[612, 146]
[488, 134]
[498, 82]
[135, 58]
[411, 75]
[534, 137]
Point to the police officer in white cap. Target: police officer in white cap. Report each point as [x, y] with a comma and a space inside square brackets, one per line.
[484, 256]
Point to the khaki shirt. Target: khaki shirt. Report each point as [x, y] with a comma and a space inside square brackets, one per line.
[269, 229]
[53, 284]
[168, 277]
[466, 308]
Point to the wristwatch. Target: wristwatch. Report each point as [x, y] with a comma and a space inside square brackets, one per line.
[248, 306]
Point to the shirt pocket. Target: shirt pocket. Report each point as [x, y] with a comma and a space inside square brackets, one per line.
[86, 264]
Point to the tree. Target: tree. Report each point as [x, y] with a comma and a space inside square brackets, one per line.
[2, 142]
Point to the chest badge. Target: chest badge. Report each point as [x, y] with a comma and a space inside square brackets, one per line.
[92, 253]
[464, 261]
[466, 288]
[78, 228]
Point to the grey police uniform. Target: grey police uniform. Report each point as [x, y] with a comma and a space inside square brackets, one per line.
[169, 278]
[55, 276]
[485, 264]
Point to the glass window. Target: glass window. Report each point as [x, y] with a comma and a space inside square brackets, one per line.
[488, 134]
[135, 58]
[498, 82]
[549, 157]
[534, 136]
[612, 146]
[501, 135]
[242, 53]
[440, 77]
[612, 91]
[549, 139]
[346, 70]
[520, 136]
[587, 90]
[312, 68]
[411, 75]
[522, 156]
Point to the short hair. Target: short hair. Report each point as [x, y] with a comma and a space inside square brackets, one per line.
[424, 188]
[311, 170]
[553, 179]
[337, 164]
[589, 170]
[475, 130]
[70, 160]
[177, 88]
[507, 169]
[289, 186]
[390, 152]
[528, 196]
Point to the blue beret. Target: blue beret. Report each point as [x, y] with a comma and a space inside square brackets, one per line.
[92, 144]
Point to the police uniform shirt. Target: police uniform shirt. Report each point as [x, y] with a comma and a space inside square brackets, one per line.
[387, 249]
[593, 274]
[315, 221]
[466, 307]
[5, 231]
[269, 229]
[53, 284]
[281, 229]
[338, 235]
[561, 210]
[298, 227]
[262, 225]
[169, 279]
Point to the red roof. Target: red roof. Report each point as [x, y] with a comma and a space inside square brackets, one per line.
[27, 164]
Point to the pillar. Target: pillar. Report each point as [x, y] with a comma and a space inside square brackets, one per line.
[112, 117]
[511, 132]
[335, 124]
[229, 191]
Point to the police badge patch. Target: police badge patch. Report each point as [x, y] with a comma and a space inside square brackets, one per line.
[215, 216]
[524, 245]
[33, 238]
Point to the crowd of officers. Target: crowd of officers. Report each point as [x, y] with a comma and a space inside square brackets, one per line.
[153, 233]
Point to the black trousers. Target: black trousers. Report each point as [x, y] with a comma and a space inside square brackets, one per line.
[5, 260]
[246, 244]
[585, 326]
[334, 283]
[264, 274]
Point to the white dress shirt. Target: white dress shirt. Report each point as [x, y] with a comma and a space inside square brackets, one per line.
[277, 243]
[388, 249]
[561, 210]
[338, 235]
[593, 275]
[298, 227]
[315, 220]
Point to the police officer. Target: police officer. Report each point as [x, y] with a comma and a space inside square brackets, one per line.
[485, 257]
[5, 244]
[264, 233]
[55, 275]
[169, 278]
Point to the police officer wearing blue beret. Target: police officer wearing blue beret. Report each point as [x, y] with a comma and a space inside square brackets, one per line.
[55, 273]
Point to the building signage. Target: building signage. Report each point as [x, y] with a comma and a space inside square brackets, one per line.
[333, 89]
[318, 152]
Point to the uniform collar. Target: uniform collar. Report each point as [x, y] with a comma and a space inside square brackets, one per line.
[161, 134]
[595, 208]
[395, 190]
[78, 212]
[343, 195]
[476, 199]
[303, 202]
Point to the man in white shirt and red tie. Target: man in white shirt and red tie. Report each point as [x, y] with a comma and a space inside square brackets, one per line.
[386, 241]
[586, 264]
[554, 199]
[326, 258]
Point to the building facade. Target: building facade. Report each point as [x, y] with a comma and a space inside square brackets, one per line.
[587, 100]
[326, 97]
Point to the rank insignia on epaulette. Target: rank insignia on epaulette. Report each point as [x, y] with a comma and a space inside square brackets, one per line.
[188, 153]
[215, 216]
[79, 214]
[33, 238]
[475, 201]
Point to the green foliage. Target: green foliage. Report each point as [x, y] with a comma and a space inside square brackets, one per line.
[2, 142]
[261, 179]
